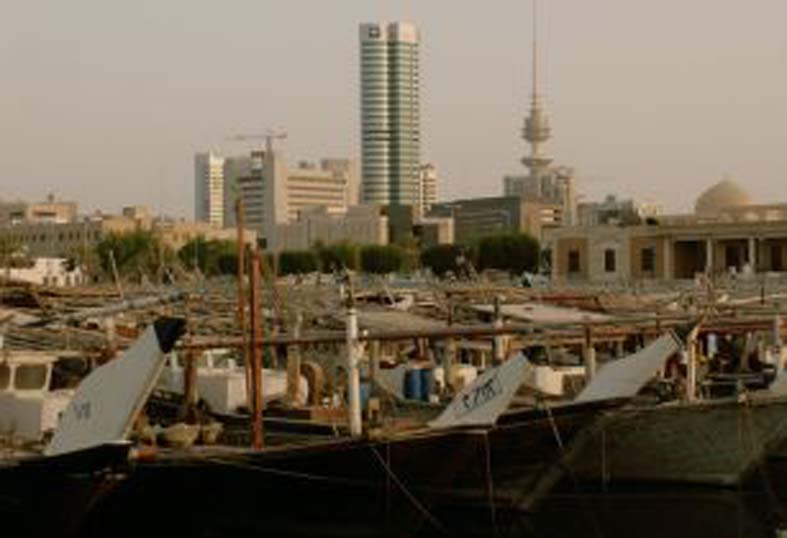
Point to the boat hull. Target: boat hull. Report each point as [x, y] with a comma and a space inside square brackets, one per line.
[711, 443]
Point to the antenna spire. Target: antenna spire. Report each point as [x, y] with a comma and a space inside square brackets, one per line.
[535, 50]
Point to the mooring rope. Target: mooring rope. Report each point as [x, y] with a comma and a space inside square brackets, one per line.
[555, 430]
[490, 488]
[574, 481]
[412, 498]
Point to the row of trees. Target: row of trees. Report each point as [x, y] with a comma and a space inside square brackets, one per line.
[375, 259]
[141, 253]
[511, 252]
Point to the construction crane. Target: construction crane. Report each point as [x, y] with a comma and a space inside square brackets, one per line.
[269, 136]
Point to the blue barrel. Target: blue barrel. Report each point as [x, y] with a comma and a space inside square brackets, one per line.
[412, 384]
[366, 391]
[427, 383]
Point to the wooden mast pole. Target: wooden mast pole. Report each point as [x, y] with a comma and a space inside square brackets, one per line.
[256, 351]
[240, 222]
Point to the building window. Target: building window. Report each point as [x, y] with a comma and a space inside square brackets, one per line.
[573, 261]
[776, 258]
[609, 260]
[648, 260]
[5, 376]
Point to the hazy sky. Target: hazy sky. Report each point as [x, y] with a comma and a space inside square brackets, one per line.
[106, 101]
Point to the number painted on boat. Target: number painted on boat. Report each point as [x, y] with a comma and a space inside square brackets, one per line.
[82, 411]
[480, 395]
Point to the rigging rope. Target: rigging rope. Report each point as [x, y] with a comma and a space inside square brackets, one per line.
[420, 507]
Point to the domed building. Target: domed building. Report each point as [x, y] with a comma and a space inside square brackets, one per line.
[723, 195]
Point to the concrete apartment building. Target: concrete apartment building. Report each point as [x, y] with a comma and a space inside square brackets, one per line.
[331, 185]
[727, 234]
[275, 194]
[209, 188]
[427, 177]
[390, 114]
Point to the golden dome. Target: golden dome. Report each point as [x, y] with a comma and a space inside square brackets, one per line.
[720, 196]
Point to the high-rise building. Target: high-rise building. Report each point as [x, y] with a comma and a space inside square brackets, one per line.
[209, 188]
[390, 114]
[234, 169]
[427, 176]
[274, 193]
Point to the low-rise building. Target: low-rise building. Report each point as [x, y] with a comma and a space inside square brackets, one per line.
[49, 211]
[726, 235]
[613, 210]
[363, 225]
[432, 231]
[75, 238]
[175, 234]
[480, 217]
[63, 239]
[54, 272]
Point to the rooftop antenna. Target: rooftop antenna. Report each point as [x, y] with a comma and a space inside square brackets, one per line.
[535, 50]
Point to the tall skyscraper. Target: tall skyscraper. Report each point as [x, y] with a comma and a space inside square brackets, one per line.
[390, 114]
[209, 188]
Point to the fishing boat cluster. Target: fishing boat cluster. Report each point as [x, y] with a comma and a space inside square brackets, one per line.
[384, 407]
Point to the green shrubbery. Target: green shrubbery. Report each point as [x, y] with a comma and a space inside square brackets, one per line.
[135, 253]
[511, 252]
[140, 252]
[381, 259]
[441, 259]
[338, 255]
[294, 262]
[213, 257]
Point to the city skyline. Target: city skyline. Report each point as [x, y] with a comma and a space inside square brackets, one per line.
[634, 113]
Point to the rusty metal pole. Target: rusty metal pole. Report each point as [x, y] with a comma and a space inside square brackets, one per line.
[777, 343]
[256, 351]
[690, 355]
[276, 303]
[241, 225]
